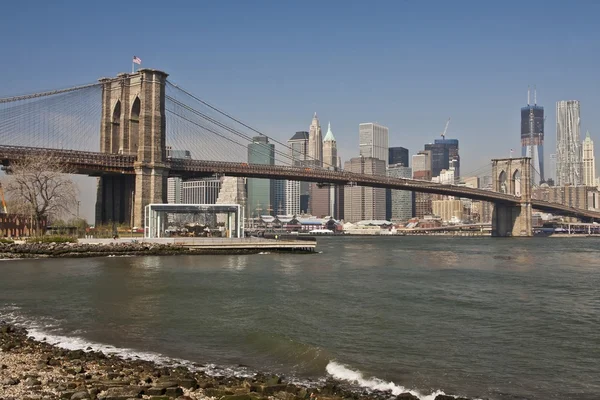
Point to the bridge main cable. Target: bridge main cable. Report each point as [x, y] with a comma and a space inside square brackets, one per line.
[227, 115]
[48, 93]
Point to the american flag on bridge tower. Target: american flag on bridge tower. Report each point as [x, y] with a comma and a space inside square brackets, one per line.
[137, 60]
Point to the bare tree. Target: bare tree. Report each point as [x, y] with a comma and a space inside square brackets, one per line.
[40, 187]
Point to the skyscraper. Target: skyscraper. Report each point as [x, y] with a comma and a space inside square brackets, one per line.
[174, 185]
[568, 139]
[260, 151]
[444, 153]
[318, 198]
[296, 193]
[421, 169]
[589, 161]
[330, 160]
[278, 196]
[399, 203]
[373, 139]
[360, 202]
[421, 165]
[532, 138]
[329, 149]
[201, 191]
[292, 198]
[298, 145]
[398, 155]
[551, 174]
[315, 143]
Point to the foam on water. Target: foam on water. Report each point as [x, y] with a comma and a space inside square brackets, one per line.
[45, 330]
[344, 373]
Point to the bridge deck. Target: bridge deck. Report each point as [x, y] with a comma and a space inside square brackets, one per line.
[95, 163]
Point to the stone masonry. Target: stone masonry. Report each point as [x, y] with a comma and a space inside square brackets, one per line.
[133, 123]
[512, 176]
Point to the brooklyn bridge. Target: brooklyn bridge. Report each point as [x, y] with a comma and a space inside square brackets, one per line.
[143, 113]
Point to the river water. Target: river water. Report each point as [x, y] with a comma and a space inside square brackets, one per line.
[479, 317]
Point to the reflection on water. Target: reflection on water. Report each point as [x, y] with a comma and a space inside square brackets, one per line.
[471, 316]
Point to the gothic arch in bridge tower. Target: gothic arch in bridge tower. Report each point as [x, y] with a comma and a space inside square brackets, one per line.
[502, 182]
[115, 128]
[512, 217]
[516, 183]
[134, 126]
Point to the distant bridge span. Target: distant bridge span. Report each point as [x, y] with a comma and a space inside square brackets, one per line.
[96, 164]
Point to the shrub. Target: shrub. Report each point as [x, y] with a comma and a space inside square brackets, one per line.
[6, 241]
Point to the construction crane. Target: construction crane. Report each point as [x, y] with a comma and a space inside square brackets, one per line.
[4, 209]
[445, 129]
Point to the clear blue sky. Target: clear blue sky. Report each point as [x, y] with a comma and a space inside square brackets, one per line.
[406, 64]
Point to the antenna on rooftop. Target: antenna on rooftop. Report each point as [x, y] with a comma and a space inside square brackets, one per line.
[535, 95]
[528, 94]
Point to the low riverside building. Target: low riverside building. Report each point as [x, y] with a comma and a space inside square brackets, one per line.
[18, 225]
[368, 227]
[290, 223]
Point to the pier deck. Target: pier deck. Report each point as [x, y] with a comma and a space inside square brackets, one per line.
[223, 244]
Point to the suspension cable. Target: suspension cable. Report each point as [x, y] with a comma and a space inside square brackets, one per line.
[49, 93]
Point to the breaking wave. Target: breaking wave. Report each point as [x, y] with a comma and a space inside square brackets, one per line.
[344, 373]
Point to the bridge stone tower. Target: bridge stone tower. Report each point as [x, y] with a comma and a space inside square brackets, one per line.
[133, 123]
[512, 176]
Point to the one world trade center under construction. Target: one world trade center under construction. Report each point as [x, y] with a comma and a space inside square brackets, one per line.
[532, 137]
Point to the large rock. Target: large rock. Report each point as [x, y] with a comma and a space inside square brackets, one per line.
[237, 397]
[188, 383]
[271, 389]
[81, 395]
[164, 384]
[274, 380]
[174, 392]
[31, 381]
[122, 393]
[9, 381]
[155, 391]
[407, 396]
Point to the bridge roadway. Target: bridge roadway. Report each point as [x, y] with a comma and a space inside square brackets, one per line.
[96, 164]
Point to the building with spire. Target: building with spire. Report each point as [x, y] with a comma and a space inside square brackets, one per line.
[532, 137]
[589, 161]
[322, 199]
[330, 161]
[315, 143]
[329, 149]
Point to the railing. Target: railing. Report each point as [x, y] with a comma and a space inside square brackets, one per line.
[86, 160]
[74, 157]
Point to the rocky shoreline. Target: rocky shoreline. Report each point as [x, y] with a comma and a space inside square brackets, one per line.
[33, 370]
[80, 250]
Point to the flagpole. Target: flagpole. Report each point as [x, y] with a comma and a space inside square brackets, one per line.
[132, 67]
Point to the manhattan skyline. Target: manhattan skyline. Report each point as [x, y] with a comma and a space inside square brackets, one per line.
[273, 65]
